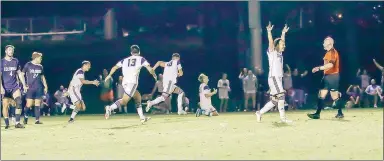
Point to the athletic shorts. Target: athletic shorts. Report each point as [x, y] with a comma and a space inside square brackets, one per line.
[331, 82]
[74, 94]
[8, 93]
[275, 85]
[130, 88]
[169, 87]
[35, 93]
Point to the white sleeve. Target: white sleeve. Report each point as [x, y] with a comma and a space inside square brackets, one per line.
[80, 76]
[145, 63]
[120, 63]
[179, 67]
[219, 84]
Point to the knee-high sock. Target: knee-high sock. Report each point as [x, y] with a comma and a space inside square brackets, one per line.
[180, 102]
[140, 110]
[157, 100]
[6, 120]
[320, 105]
[26, 112]
[116, 105]
[74, 113]
[37, 113]
[280, 106]
[267, 107]
[338, 105]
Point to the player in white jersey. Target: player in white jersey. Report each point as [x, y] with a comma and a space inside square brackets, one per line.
[131, 70]
[205, 94]
[275, 76]
[75, 87]
[172, 70]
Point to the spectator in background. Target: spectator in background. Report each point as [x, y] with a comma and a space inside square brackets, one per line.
[62, 101]
[106, 93]
[381, 68]
[354, 96]
[120, 93]
[373, 91]
[299, 93]
[287, 85]
[262, 96]
[224, 89]
[250, 88]
[242, 75]
[45, 105]
[363, 80]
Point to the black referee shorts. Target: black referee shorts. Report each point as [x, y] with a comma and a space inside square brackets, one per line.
[331, 82]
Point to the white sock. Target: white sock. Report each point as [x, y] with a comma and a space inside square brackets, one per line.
[267, 107]
[74, 113]
[157, 100]
[140, 112]
[115, 105]
[125, 109]
[280, 106]
[180, 102]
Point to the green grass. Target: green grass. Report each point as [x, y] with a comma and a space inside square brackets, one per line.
[229, 136]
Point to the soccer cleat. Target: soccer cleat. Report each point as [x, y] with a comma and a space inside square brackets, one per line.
[148, 106]
[339, 116]
[258, 116]
[198, 112]
[7, 127]
[182, 112]
[145, 120]
[20, 126]
[25, 121]
[107, 112]
[63, 108]
[314, 116]
[71, 120]
[38, 122]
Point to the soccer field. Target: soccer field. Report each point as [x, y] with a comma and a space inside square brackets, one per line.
[229, 136]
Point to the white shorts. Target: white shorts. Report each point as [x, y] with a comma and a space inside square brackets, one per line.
[130, 88]
[250, 91]
[223, 94]
[169, 87]
[275, 85]
[74, 94]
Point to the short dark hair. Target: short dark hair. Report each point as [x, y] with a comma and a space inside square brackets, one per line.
[176, 55]
[85, 62]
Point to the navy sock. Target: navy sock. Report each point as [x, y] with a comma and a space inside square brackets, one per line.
[26, 112]
[6, 120]
[37, 113]
[320, 105]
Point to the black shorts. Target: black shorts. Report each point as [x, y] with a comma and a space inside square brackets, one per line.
[35, 93]
[8, 93]
[331, 82]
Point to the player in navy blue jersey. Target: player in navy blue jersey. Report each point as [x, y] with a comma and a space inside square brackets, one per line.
[10, 70]
[36, 85]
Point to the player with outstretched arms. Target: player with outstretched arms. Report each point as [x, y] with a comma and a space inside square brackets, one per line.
[131, 70]
[172, 70]
[205, 94]
[10, 70]
[74, 88]
[275, 76]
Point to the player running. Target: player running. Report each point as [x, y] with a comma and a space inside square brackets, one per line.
[275, 76]
[205, 94]
[10, 70]
[36, 86]
[75, 87]
[330, 81]
[172, 70]
[131, 70]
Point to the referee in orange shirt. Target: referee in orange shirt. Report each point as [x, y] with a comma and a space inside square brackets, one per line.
[330, 81]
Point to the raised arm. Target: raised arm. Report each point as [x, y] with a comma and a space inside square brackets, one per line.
[304, 74]
[288, 68]
[378, 65]
[285, 30]
[271, 46]
[159, 63]
[349, 89]
[358, 72]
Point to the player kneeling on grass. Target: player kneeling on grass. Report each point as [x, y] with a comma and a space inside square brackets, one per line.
[205, 97]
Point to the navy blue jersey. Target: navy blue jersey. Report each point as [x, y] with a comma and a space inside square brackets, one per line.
[9, 73]
[33, 73]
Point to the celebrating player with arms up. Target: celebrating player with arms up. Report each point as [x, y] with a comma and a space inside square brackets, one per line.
[131, 70]
[330, 81]
[36, 85]
[172, 70]
[75, 88]
[10, 69]
[275, 76]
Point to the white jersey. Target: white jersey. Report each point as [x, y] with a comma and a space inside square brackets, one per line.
[275, 63]
[76, 82]
[171, 70]
[131, 68]
[205, 102]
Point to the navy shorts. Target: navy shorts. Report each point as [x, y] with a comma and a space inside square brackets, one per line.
[9, 92]
[331, 82]
[35, 93]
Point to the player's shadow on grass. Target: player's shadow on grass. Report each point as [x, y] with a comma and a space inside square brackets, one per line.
[280, 124]
[338, 120]
[121, 127]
